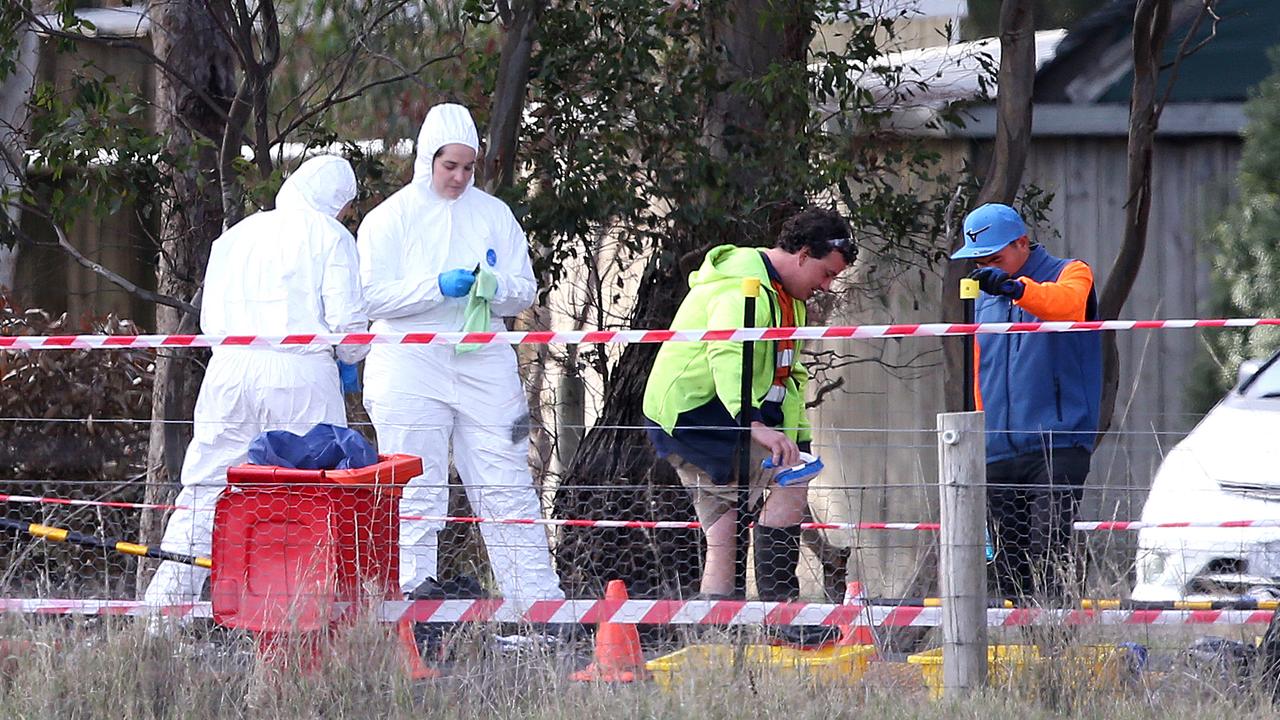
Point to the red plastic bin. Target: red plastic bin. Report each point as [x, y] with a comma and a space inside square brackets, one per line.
[289, 544]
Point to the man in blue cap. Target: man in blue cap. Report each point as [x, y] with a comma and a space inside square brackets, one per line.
[1040, 393]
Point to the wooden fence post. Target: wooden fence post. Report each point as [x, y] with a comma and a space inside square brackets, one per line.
[962, 487]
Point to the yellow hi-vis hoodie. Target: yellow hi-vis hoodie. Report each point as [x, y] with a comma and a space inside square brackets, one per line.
[688, 375]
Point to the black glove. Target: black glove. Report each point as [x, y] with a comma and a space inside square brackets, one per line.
[995, 281]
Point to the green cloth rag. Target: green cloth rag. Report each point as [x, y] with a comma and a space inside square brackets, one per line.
[476, 318]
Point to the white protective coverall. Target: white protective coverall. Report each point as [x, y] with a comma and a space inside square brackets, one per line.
[421, 396]
[292, 270]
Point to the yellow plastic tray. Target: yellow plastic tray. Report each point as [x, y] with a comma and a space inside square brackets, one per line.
[832, 664]
[1008, 665]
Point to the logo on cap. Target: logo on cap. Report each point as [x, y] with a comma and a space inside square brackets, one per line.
[973, 234]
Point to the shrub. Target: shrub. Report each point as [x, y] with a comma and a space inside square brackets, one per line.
[74, 425]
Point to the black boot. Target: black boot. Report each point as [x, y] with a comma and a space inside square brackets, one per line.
[777, 553]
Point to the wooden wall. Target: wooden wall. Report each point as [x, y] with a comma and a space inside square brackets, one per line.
[49, 278]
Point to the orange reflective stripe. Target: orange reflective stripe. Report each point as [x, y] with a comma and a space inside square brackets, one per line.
[784, 350]
[977, 380]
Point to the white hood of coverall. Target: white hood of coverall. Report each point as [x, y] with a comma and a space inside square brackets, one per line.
[446, 124]
[324, 184]
[292, 270]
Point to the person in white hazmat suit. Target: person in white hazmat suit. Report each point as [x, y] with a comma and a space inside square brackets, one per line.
[420, 253]
[291, 270]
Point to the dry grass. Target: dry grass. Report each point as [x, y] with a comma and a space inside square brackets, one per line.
[60, 668]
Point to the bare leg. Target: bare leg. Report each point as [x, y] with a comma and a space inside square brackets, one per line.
[785, 506]
[717, 573]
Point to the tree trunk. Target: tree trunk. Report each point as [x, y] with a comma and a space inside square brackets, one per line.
[15, 90]
[614, 473]
[1016, 80]
[186, 37]
[507, 111]
[255, 38]
[751, 36]
[1150, 29]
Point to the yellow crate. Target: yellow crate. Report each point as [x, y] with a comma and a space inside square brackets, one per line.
[832, 664]
[1097, 665]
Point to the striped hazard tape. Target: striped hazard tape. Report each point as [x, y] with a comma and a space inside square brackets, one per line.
[673, 612]
[833, 332]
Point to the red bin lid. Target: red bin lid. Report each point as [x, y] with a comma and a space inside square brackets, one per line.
[389, 470]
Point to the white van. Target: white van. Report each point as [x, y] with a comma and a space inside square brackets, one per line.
[1227, 469]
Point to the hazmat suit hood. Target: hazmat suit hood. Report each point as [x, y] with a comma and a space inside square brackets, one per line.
[324, 184]
[446, 124]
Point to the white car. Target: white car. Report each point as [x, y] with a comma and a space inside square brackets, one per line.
[1227, 469]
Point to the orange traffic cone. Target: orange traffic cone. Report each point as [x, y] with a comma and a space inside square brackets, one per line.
[854, 634]
[618, 657]
[413, 665]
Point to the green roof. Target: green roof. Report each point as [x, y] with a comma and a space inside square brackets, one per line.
[1227, 66]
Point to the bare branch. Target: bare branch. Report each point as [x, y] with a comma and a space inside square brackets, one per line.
[334, 99]
[325, 73]
[949, 216]
[1185, 52]
[405, 72]
[112, 276]
[824, 391]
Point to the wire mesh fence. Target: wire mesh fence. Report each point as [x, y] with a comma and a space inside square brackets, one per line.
[645, 530]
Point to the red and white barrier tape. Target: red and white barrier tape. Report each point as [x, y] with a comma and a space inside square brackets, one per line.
[1091, 525]
[1138, 525]
[120, 504]
[545, 337]
[674, 612]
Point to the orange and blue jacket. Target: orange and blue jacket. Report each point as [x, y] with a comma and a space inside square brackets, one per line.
[1040, 390]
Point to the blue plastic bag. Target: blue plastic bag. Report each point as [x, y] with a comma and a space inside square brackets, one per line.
[324, 447]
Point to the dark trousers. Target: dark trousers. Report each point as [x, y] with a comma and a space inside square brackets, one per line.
[1032, 502]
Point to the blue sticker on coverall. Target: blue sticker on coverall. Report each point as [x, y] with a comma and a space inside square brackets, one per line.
[491, 257]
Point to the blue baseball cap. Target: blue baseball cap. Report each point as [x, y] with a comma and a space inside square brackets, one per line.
[988, 229]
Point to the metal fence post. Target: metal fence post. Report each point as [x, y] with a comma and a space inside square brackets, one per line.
[742, 532]
[962, 551]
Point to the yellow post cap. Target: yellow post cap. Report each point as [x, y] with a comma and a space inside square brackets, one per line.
[969, 289]
[750, 287]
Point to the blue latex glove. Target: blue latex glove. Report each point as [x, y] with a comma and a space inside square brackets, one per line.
[456, 283]
[995, 281]
[350, 378]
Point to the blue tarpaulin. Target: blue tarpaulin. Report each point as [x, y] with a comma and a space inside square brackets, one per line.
[324, 447]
